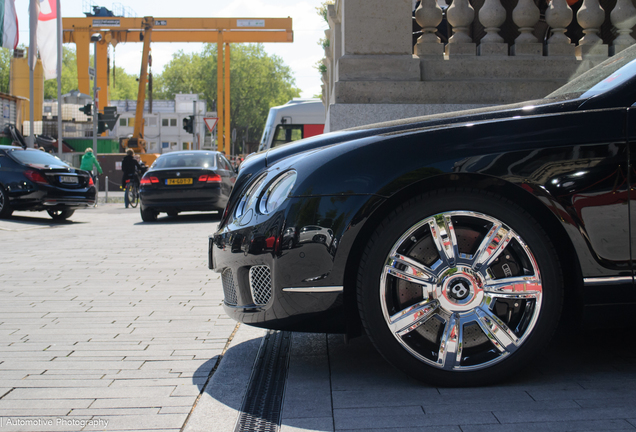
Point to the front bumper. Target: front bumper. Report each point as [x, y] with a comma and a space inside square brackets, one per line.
[275, 276]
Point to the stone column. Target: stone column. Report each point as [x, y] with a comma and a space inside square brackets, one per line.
[590, 17]
[429, 15]
[559, 16]
[624, 19]
[460, 15]
[377, 41]
[492, 15]
[526, 15]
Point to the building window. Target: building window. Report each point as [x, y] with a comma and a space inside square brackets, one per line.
[122, 122]
[173, 122]
[186, 146]
[164, 122]
[131, 122]
[152, 121]
[165, 145]
[153, 147]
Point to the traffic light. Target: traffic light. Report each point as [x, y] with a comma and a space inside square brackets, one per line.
[101, 124]
[87, 109]
[188, 124]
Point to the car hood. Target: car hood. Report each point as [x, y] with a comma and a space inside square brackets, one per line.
[435, 121]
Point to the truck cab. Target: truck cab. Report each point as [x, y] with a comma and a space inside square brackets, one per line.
[297, 119]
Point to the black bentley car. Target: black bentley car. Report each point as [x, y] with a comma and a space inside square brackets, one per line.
[181, 181]
[457, 241]
[36, 181]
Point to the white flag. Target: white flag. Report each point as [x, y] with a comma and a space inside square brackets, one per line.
[8, 24]
[47, 37]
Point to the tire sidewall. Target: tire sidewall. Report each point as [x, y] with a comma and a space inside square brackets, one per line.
[420, 208]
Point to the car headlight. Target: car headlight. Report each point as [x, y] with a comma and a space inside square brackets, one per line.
[277, 192]
[250, 196]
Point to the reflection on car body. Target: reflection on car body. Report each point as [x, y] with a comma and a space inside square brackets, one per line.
[456, 259]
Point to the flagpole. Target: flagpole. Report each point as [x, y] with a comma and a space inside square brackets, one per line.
[59, 79]
[33, 58]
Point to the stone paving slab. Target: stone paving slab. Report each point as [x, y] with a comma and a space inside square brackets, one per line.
[106, 318]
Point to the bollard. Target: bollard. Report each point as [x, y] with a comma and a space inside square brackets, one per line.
[106, 190]
[96, 191]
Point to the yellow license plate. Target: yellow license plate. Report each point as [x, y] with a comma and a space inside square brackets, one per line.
[179, 181]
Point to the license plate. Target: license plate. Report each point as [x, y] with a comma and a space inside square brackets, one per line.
[69, 179]
[179, 181]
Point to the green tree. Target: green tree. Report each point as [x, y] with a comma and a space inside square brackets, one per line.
[122, 85]
[258, 82]
[5, 67]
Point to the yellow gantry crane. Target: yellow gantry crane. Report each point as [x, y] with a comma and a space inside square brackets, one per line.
[223, 31]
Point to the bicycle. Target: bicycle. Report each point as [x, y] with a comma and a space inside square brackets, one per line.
[132, 191]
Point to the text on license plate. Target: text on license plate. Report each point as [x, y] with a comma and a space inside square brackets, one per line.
[179, 181]
[69, 179]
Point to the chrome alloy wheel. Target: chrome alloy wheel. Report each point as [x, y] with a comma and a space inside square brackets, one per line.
[460, 290]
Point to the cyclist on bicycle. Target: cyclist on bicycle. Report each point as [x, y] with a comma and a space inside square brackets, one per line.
[130, 169]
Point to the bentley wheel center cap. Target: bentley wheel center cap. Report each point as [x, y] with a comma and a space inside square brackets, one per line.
[459, 289]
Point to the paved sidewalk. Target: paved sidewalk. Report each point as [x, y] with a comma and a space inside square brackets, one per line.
[106, 319]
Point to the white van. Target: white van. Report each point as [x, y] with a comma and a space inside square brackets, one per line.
[297, 119]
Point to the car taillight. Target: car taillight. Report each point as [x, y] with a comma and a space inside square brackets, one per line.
[210, 178]
[90, 181]
[149, 180]
[35, 176]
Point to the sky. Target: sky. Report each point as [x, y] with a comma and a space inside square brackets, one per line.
[300, 56]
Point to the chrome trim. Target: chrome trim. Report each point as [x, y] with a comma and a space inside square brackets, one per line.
[614, 280]
[316, 289]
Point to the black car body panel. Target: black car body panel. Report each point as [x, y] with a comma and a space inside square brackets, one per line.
[61, 187]
[568, 163]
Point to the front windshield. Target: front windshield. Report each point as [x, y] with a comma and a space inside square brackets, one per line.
[608, 75]
[186, 160]
[268, 129]
[37, 158]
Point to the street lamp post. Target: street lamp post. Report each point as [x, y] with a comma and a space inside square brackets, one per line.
[95, 39]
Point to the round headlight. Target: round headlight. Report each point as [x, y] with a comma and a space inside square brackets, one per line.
[250, 196]
[277, 192]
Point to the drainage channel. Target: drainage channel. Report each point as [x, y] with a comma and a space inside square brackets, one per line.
[262, 406]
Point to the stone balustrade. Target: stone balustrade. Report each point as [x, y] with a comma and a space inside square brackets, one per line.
[468, 53]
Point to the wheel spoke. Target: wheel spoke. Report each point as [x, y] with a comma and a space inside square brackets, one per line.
[449, 354]
[514, 287]
[411, 271]
[443, 235]
[492, 245]
[497, 331]
[412, 317]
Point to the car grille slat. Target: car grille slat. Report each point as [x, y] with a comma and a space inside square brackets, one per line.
[229, 287]
[261, 284]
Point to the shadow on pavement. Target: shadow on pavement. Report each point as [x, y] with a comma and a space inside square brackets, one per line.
[39, 220]
[183, 218]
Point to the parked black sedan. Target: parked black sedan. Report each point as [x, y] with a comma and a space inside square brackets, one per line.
[34, 180]
[453, 239]
[186, 181]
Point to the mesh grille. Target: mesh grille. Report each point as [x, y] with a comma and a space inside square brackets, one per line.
[261, 284]
[229, 289]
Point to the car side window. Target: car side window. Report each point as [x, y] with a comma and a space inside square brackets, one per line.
[224, 163]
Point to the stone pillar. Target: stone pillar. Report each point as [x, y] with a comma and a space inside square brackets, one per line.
[623, 17]
[492, 15]
[526, 15]
[590, 17]
[429, 15]
[460, 15]
[559, 16]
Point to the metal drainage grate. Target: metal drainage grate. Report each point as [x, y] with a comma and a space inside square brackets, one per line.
[229, 288]
[261, 284]
[264, 398]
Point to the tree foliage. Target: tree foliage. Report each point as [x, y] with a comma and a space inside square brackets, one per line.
[5, 63]
[258, 82]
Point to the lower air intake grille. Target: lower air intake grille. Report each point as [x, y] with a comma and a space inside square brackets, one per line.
[261, 284]
[229, 289]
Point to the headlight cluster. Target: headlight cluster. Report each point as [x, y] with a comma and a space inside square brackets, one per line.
[272, 197]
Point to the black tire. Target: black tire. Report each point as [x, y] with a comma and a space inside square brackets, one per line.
[60, 214]
[148, 214]
[459, 288]
[5, 207]
[132, 192]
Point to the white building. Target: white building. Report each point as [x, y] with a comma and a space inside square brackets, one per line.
[163, 128]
